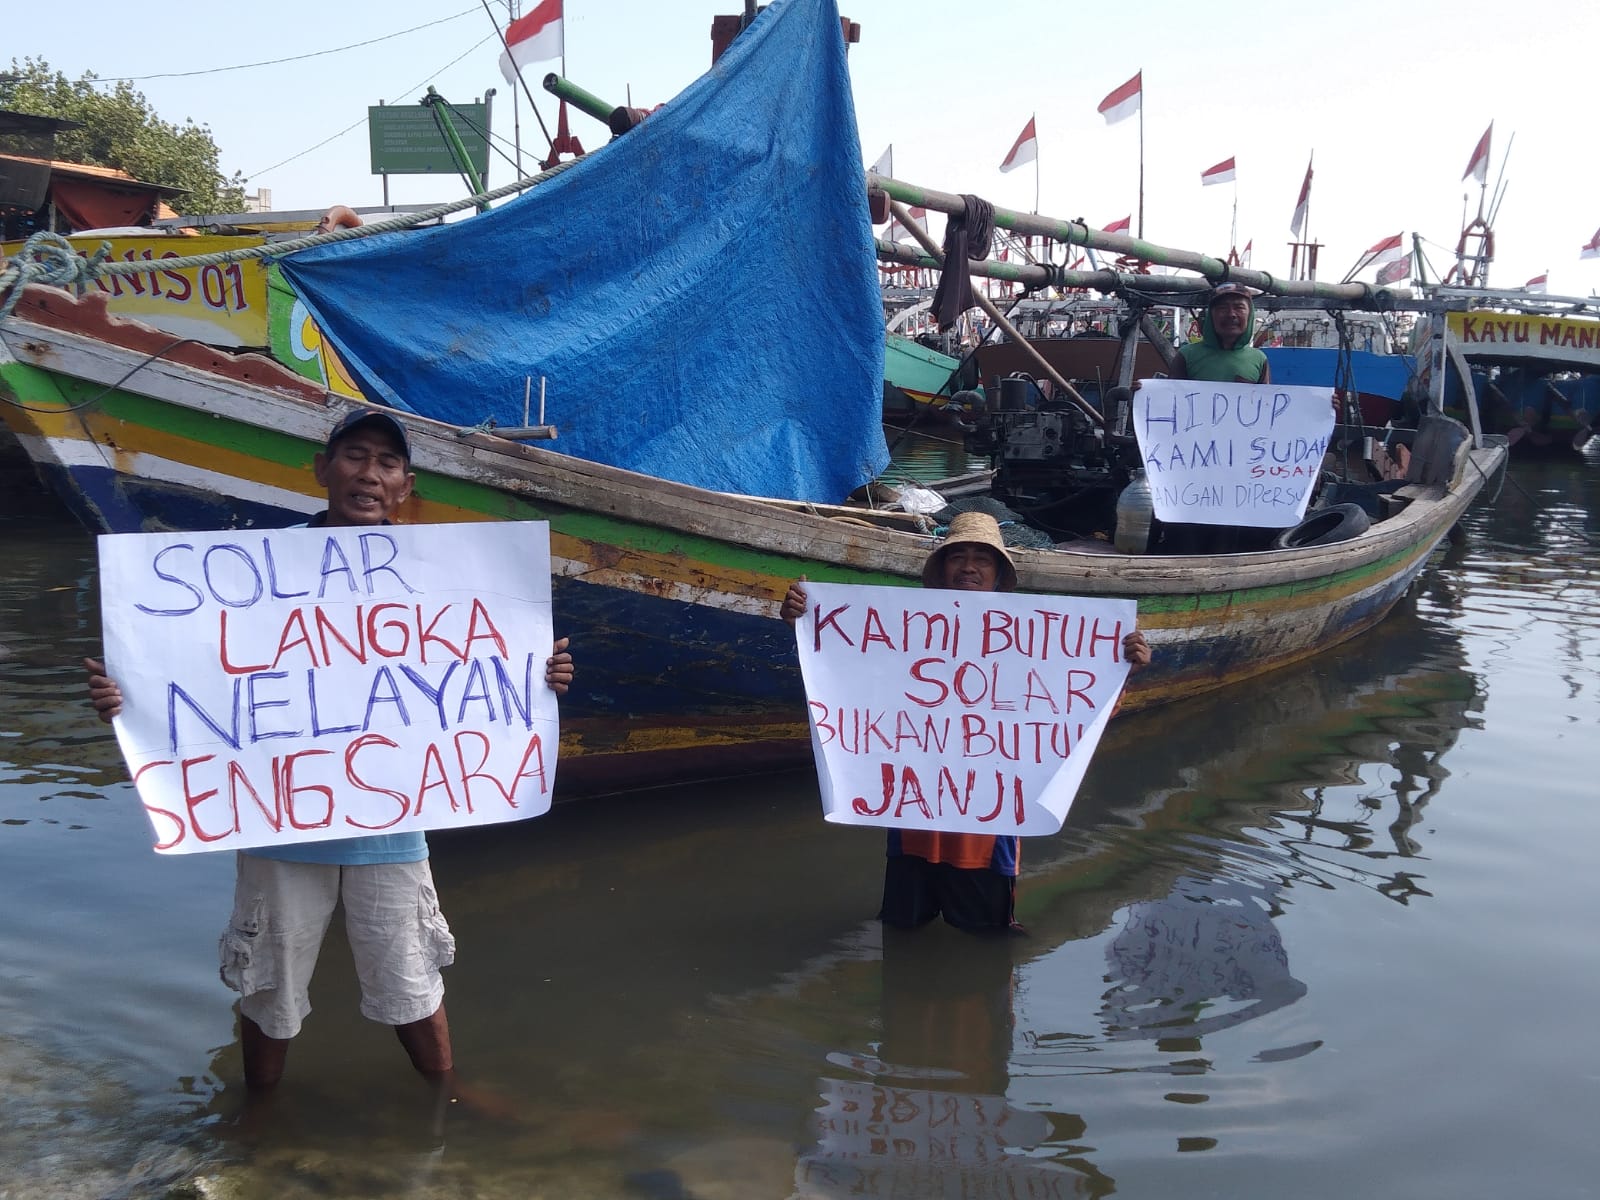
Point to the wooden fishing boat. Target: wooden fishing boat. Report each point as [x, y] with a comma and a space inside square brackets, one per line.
[916, 379]
[681, 365]
[669, 592]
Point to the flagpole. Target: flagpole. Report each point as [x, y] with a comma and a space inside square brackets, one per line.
[1141, 152]
[1483, 184]
[1500, 179]
[1306, 229]
[504, 45]
[516, 100]
[1032, 117]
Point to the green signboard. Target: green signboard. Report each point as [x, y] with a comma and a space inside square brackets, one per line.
[406, 139]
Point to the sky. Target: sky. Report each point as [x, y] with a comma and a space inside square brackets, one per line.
[1389, 96]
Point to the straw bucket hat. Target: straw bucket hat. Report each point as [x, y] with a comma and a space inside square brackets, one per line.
[975, 529]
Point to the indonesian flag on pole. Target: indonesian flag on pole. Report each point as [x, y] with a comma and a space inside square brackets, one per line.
[1221, 173]
[899, 233]
[1395, 271]
[1539, 283]
[1386, 251]
[1298, 221]
[1123, 102]
[1024, 150]
[1591, 248]
[1244, 258]
[533, 37]
[1118, 226]
[1478, 166]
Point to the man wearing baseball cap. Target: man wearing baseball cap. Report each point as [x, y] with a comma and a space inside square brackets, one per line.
[1224, 353]
[285, 896]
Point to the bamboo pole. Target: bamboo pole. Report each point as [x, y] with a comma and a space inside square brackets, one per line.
[583, 101]
[911, 223]
[1077, 233]
[1036, 275]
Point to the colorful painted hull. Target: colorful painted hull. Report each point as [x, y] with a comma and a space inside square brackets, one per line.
[670, 593]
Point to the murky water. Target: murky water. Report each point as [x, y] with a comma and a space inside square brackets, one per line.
[1325, 935]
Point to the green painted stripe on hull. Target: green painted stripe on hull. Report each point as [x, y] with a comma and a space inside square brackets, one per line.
[285, 450]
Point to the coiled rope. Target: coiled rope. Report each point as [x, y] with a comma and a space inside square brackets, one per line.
[49, 258]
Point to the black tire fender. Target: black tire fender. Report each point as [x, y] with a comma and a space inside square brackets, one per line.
[1336, 523]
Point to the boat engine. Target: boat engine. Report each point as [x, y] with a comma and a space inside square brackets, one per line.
[1052, 463]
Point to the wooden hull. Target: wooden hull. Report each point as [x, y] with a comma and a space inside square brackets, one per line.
[916, 378]
[670, 593]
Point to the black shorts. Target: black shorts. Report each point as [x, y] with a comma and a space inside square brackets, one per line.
[977, 899]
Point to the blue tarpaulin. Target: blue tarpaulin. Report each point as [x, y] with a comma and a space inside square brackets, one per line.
[700, 296]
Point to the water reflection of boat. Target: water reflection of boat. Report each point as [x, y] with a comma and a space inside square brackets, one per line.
[1175, 895]
[705, 1053]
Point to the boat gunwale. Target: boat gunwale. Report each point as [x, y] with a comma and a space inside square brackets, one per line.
[815, 533]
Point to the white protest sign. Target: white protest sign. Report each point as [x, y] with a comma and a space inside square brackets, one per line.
[1231, 453]
[300, 685]
[967, 712]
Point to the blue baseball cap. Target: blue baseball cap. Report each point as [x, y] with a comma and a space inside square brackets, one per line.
[361, 416]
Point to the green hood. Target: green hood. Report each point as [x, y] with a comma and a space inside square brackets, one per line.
[1208, 335]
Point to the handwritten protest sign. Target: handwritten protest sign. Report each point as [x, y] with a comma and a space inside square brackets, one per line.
[300, 685]
[1231, 453]
[970, 712]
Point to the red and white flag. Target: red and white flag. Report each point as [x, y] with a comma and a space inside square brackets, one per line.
[1244, 258]
[533, 37]
[1118, 226]
[1395, 271]
[1123, 102]
[1221, 173]
[1386, 251]
[1591, 248]
[1298, 222]
[1539, 283]
[899, 233]
[1478, 166]
[1024, 150]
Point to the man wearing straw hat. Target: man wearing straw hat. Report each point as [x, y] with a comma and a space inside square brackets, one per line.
[968, 878]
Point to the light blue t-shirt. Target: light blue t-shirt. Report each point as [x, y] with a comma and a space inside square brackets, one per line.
[352, 852]
[355, 851]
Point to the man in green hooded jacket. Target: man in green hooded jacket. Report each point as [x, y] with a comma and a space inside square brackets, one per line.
[1224, 353]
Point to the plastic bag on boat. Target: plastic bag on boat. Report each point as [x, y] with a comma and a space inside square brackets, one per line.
[919, 501]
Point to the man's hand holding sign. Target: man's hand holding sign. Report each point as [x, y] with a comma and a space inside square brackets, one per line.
[303, 685]
[1231, 453]
[960, 717]
[940, 710]
[319, 696]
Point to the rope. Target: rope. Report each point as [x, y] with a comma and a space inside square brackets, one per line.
[21, 271]
[49, 258]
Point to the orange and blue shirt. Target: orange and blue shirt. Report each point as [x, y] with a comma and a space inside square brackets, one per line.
[966, 851]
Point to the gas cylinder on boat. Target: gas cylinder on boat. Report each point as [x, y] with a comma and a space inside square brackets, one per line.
[1134, 510]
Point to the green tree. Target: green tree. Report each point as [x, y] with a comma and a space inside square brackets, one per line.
[121, 130]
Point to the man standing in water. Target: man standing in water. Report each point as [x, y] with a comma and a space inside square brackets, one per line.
[285, 896]
[969, 878]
